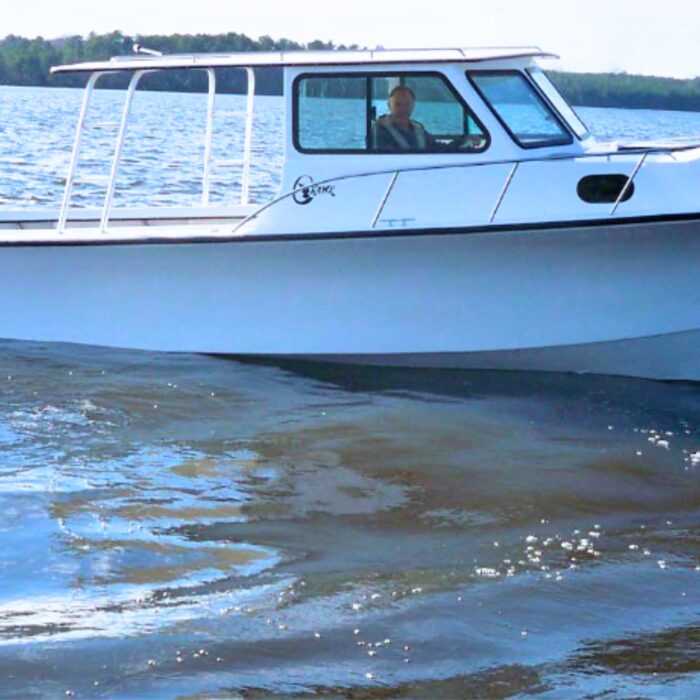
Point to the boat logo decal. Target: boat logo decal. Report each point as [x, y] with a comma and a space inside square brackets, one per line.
[305, 190]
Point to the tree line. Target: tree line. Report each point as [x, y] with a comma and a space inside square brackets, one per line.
[628, 91]
[28, 62]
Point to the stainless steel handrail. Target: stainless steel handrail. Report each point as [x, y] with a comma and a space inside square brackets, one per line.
[209, 135]
[109, 196]
[504, 191]
[628, 184]
[75, 154]
[245, 161]
[385, 199]
[248, 139]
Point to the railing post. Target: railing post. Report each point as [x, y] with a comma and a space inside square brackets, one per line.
[248, 143]
[628, 184]
[119, 148]
[208, 137]
[385, 199]
[75, 155]
[504, 191]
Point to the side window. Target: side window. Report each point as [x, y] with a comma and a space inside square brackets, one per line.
[331, 113]
[381, 112]
[521, 110]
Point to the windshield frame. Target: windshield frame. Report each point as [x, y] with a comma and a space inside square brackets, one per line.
[566, 129]
[575, 120]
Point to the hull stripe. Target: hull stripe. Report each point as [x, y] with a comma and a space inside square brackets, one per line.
[368, 234]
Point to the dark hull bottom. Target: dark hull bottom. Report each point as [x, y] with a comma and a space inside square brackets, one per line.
[674, 356]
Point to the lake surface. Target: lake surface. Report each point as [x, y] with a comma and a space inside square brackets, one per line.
[182, 526]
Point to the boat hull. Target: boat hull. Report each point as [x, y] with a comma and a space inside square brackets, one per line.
[620, 298]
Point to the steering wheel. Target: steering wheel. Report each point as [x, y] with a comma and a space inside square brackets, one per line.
[472, 141]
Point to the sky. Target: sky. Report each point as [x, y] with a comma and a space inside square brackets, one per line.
[636, 36]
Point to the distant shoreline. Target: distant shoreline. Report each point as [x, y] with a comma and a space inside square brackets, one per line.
[27, 62]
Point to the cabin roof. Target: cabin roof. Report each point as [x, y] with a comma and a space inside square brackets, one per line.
[251, 59]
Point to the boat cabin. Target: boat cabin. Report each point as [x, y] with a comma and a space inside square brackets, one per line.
[379, 139]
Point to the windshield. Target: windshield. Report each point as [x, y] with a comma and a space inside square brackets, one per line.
[520, 108]
[559, 103]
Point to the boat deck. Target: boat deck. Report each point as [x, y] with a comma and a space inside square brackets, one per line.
[132, 233]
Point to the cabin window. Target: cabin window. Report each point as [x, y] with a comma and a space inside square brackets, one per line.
[520, 108]
[383, 113]
[604, 189]
[332, 114]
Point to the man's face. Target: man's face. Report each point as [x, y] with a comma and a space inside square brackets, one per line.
[401, 104]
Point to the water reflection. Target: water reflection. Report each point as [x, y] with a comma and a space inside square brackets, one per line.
[196, 526]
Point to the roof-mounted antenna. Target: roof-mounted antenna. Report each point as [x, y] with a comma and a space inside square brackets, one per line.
[137, 48]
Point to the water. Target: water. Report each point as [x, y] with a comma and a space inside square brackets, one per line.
[163, 154]
[193, 527]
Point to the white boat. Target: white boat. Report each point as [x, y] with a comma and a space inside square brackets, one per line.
[499, 234]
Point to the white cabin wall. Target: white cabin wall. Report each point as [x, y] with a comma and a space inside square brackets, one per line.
[502, 147]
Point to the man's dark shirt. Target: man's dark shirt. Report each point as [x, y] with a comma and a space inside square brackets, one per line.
[384, 141]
